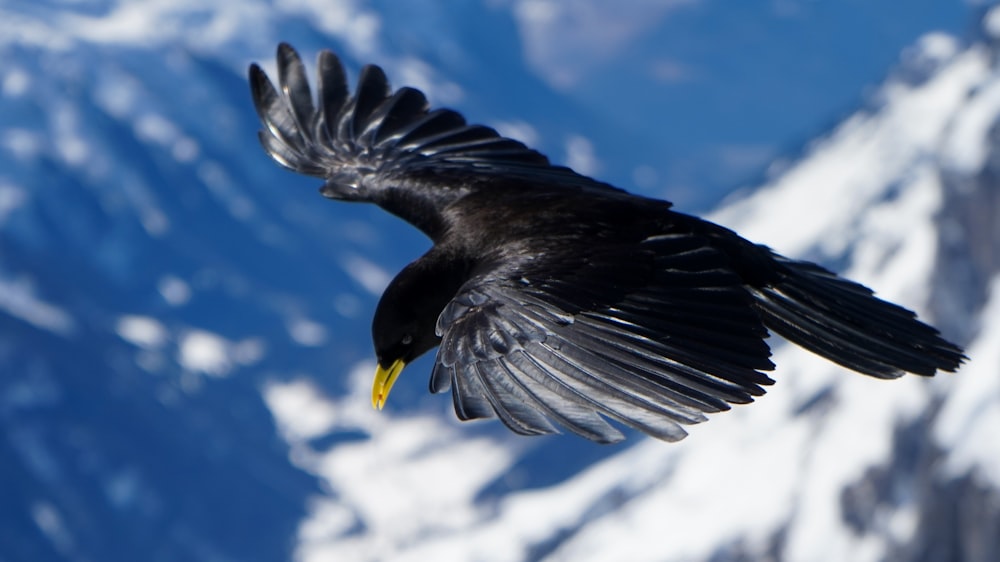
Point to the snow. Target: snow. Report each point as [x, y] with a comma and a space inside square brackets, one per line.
[743, 475]
[580, 155]
[402, 485]
[201, 25]
[991, 22]
[18, 29]
[965, 150]
[884, 257]
[793, 474]
[186, 150]
[847, 172]
[936, 46]
[221, 185]
[15, 83]
[70, 143]
[143, 201]
[563, 41]
[370, 276]
[970, 419]
[415, 73]
[50, 521]
[11, 198]
[248, 351]
[205, 352]
[345, 19]
[869, 193]
[300, 409]
[174, 290]
[406, 484]
[150, 22]
[117, 91]
[142, 331]
[306, 332]
[519, 130]
[690, 498]
[24, 144]
[201, 351]
[18, 299]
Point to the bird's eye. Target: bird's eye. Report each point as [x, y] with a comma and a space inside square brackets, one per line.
[407, 339]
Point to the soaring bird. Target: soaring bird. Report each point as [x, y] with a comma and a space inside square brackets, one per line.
[554, 299]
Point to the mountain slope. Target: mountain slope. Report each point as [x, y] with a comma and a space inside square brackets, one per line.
[183, 345]
[828, 465]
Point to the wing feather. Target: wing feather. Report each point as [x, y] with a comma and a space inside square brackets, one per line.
[403, 107]
[628, 408]
[552, 351]
[559, 401]
[333, 93]
[373, 89]
[377, 136]
[434, 123]
[295, 88]
[519, 410]
[274, 112]
[469, 397]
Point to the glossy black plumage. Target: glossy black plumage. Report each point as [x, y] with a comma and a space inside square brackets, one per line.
[558, 300]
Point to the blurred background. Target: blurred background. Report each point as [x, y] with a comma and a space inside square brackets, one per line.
[184, 327]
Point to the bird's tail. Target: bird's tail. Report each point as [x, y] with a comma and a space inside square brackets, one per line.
[844, 322]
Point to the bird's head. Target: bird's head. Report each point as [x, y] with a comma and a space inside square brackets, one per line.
[403, 327]
[401, 333]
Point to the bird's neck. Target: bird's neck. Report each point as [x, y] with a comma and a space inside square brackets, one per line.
[421, 207]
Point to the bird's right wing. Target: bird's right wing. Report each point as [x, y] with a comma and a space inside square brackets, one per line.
[575, 343]
[360, 142]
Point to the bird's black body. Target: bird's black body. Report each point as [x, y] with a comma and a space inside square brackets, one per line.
[558, 298]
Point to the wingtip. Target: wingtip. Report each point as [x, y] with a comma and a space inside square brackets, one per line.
[261, 90]
[375, 128]
[287, 56]
[284, 49]
[328, 62]
[256, 76]
[372, 89]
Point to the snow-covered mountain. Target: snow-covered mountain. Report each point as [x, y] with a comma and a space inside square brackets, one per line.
[827, 466]
[184, 358]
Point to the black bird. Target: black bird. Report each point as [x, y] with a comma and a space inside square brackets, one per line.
[556, 299]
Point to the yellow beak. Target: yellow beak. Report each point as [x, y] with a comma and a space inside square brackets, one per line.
[384, 379]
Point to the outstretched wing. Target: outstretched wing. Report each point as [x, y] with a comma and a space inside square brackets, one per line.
[362, 142]
[545, 345]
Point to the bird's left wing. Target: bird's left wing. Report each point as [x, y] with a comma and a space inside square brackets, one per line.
[575, 343]
[360, 142]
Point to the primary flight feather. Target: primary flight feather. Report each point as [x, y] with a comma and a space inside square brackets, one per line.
[556, 300]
